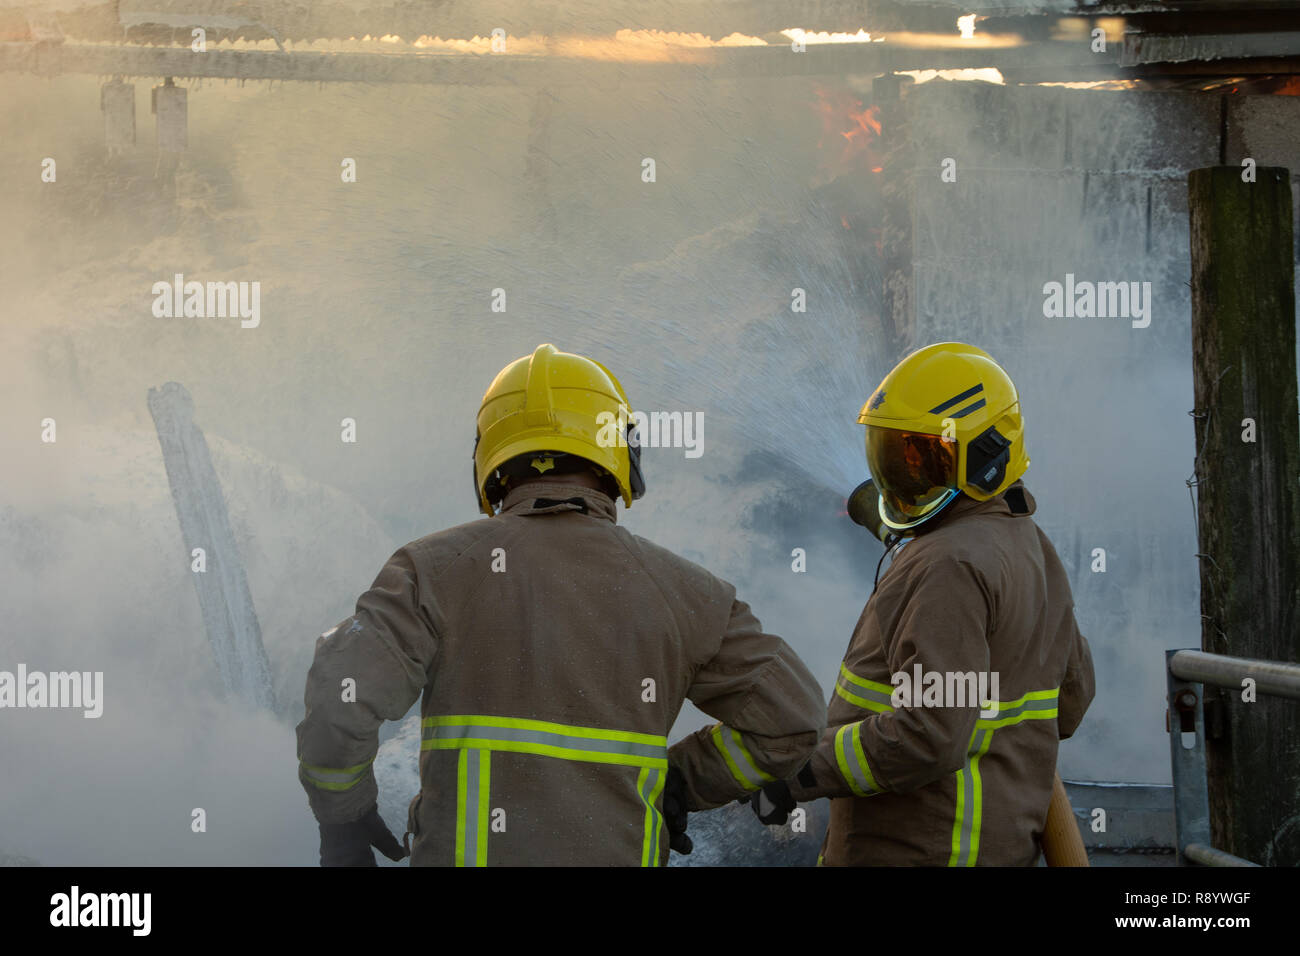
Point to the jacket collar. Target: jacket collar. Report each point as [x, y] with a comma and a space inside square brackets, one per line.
[965, 505]
[551, 497]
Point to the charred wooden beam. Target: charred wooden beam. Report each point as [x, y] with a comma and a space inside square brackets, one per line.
[1053, 60]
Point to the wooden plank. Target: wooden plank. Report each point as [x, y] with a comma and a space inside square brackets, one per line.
[224, 599]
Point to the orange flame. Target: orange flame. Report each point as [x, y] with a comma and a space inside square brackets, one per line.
[844, 118]
[867, 121]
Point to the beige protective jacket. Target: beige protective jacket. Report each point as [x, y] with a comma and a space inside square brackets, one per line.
[553, 650]
[930, 780]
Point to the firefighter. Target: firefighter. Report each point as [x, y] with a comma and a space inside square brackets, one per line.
[975, 598]
[553, 650]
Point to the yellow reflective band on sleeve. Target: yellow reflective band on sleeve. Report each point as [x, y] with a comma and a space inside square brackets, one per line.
[649, 784]
[867, 694]
[738, 758]
[866, 703]
[473, 784]
[852, 760]
[1036, 705]
[335, 779]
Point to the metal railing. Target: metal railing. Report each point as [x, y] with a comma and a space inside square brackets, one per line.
[1186, 672]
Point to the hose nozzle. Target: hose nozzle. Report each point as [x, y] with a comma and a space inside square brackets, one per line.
[864, 508]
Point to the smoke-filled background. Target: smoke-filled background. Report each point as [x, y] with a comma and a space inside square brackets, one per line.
[376, 305]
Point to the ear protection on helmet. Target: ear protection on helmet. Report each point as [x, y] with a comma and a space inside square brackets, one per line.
[987, 458]
[492, 489]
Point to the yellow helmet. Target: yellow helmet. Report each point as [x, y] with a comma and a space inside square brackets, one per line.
[556, 403]
[945, 421]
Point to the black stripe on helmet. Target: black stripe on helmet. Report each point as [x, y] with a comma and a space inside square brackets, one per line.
[957, 398]
[968, 409]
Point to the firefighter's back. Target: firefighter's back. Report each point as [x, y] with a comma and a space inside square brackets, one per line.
[566, 646]
[552, 651]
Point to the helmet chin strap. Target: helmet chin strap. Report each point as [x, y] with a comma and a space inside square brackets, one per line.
[907, 530]
[891, 542]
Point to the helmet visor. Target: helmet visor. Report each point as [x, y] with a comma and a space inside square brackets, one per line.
[915, 472]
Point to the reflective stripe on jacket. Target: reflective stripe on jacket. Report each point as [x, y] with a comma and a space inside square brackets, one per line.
[552, 650]
[960, 779]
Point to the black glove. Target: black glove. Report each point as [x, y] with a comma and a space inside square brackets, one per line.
[772, 804]
[348, 844]
[675, 812]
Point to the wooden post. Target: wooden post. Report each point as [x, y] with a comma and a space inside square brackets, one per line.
[1248, 499]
